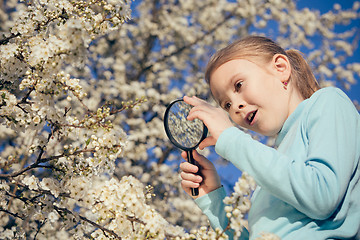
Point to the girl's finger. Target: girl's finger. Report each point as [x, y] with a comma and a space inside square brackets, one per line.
[191, 177]
[188, 167]
[194, 101]
[209, 141]
[198, 112]
[188, 184]
[184, 155]
[202, 161]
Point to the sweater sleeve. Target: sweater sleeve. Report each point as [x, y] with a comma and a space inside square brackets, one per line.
[212, 206]
[314, 175]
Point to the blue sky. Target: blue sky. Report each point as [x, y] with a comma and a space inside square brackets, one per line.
[325, 6]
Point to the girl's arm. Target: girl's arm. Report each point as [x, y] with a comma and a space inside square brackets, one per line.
[311, 171]
[213, 206]
[211, 193]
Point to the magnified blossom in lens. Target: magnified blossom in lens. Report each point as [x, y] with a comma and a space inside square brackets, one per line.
[186, 133]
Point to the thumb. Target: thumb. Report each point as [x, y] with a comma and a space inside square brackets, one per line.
[202, 161]
[209, 141]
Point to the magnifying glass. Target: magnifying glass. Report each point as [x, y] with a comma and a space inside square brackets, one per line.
[183, 133]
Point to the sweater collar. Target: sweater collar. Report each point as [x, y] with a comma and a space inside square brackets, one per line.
[290, 122]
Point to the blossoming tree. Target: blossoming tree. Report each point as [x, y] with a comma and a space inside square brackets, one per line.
[83, 88]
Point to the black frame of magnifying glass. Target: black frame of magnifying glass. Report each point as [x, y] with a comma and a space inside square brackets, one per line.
[172, 139]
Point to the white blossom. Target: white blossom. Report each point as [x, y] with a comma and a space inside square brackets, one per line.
[82, 98]
[31, 182]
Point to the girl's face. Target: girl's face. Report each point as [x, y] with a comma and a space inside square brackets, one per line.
[254, 96]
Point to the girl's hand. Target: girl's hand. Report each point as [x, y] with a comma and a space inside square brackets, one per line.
[207, 182]
[215, 119]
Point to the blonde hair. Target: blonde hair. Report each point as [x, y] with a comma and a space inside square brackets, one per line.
[261, 50]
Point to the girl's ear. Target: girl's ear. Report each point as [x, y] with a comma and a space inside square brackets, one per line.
[282, 67]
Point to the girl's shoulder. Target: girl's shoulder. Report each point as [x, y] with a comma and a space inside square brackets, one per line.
[330, 101]
[329, 92]
[330, 96]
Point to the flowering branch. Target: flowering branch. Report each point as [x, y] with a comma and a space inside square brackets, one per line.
[60, 210]
[186, 46]
[105, 230]
[43, 160]
[7, 39]
[11, 213]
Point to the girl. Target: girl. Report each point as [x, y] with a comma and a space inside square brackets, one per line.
[308, 185]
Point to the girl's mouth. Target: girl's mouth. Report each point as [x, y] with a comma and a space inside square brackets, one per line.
[250, 117]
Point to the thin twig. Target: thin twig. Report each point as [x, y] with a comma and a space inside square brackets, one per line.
[11, 213]
[186, 46]
[38, 230]
[43, 160]
[6, 40]
[88, 221]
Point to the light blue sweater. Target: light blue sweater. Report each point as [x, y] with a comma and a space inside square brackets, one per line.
[308, 186]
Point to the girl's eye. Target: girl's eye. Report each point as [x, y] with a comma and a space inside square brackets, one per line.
[238, 85]
[227, 106]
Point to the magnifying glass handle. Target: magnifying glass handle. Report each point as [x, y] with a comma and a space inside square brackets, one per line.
[194, 191]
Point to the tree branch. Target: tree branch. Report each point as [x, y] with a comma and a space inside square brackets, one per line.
[149, 41]
[165, 154]
[186, 46]
[43, 160]
[38, 230]
[27, 200]
[11, 213]
[6, 40]
[89, 221]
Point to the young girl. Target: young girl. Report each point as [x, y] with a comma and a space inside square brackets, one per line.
[308, 185]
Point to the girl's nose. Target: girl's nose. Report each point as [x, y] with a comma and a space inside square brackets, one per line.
[238, 107]
[238, 104]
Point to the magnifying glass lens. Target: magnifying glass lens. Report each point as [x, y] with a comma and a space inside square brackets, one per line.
[186, 133]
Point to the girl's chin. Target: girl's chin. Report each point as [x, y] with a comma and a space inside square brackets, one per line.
[264, 132]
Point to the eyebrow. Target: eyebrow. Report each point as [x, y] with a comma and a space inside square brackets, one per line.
[230, 83]
[235, 76]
